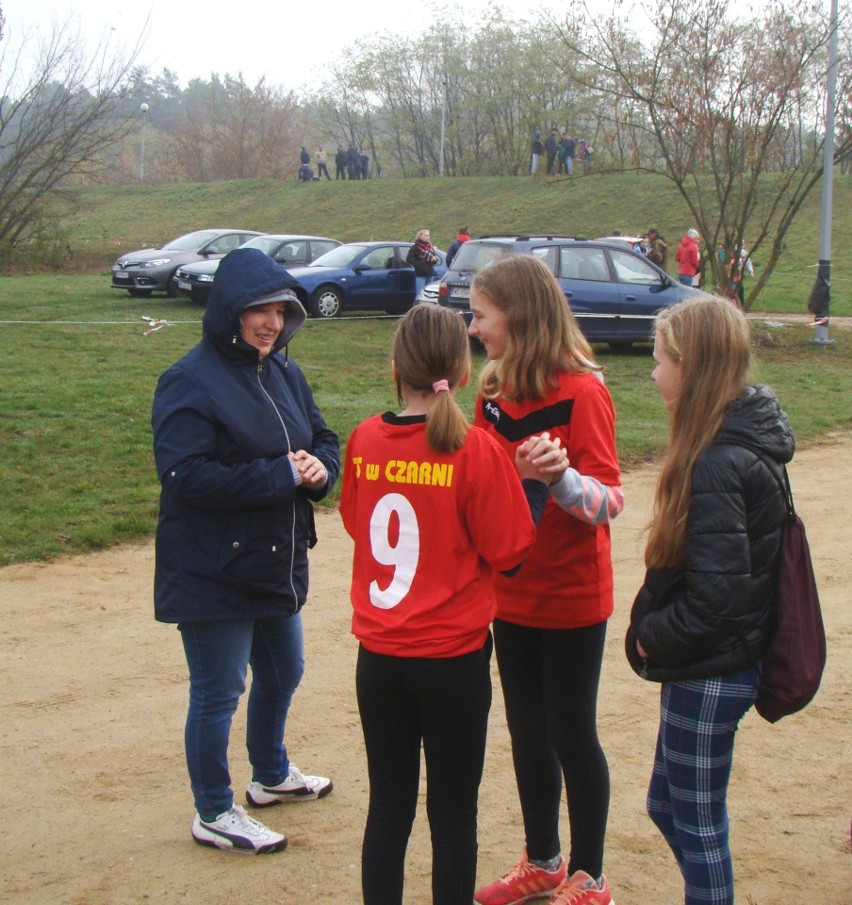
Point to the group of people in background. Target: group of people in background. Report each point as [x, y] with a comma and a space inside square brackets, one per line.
[470, 538]
[560, 152]
[349, 164]
[690, 263]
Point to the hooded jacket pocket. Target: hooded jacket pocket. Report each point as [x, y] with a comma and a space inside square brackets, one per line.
[257, 559]
[655, 594]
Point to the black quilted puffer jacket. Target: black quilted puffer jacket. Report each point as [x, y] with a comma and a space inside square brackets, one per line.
[714, 615]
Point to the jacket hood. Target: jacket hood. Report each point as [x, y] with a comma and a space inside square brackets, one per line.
[247, 276]
[756, 420]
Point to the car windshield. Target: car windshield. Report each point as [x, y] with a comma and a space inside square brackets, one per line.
[267, 244]
[477, 257]
[192, 241]
[342, 256]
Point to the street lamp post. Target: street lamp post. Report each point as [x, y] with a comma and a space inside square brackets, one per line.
[144, 108]
[443, 118]
[819, 303]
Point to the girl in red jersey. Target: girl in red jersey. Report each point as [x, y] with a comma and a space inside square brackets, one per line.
[435, 508]
[551, 618]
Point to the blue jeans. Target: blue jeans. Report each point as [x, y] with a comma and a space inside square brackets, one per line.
[685, 278]
[419, 284]
[218, 654]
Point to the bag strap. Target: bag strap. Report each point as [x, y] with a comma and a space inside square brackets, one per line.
[783, 483]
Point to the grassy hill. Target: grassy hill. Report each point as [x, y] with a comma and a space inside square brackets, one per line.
[106, 221]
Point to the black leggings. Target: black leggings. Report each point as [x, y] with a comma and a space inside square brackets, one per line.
[445, 703]
[550, 686]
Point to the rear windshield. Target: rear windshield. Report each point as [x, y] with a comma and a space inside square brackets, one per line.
[476, 257]
[192, 241]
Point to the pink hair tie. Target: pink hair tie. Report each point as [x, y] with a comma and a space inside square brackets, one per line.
[440, 386]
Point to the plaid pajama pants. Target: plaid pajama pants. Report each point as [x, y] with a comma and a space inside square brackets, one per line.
[689, 784]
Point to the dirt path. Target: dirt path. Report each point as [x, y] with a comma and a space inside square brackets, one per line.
[97, 800]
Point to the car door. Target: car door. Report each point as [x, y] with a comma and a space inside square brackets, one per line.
[643, 290]
[593, 297]
[377, 282]
[221, 245]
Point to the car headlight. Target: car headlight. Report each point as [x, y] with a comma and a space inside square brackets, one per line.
[205, 277]
[157, 262]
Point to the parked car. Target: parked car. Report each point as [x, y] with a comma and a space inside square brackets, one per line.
[150, 269]
[639, 244]
[196, 280]
[370, 275]
[428, 295]
[613, 292]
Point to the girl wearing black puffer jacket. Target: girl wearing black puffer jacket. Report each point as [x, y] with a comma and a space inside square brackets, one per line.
[702, 619]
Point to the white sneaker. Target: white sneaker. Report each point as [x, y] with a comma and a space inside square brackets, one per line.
[236, 831]
[296, 787]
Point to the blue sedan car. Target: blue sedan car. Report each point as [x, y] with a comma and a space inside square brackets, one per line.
[359, 275]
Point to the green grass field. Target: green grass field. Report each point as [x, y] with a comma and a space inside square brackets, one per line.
[77, 470]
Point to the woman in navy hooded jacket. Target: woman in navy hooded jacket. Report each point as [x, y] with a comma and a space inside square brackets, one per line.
[241, 450]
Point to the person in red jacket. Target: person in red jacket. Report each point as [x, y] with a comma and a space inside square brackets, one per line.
[688, 257]
[551, 618]
[435, 508]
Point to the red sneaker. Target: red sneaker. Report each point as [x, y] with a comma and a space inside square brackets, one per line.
[581, 889]
[524, 881]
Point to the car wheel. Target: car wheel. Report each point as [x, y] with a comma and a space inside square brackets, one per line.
[326, 302]
[141, 293]
[171, 287]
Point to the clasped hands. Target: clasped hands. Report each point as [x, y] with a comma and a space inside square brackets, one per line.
[542, 458]
[311, 470]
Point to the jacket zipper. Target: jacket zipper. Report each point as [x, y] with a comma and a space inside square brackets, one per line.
[289, 449]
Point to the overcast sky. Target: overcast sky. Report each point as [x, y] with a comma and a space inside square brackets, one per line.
[290, 42]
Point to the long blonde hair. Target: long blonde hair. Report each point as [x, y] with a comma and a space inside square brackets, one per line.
[543, 337]
[710, 339]
[431, 344]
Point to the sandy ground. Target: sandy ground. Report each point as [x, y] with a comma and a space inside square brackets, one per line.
[93, 694]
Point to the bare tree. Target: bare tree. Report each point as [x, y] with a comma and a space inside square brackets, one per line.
[229, 130]
[724, 100]
[346, 109]
[61, 110]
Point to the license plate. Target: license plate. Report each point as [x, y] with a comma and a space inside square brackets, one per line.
[184, 285]
[461, 292]
[121, 275]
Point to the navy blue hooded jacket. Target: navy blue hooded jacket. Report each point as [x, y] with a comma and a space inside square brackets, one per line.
[234, 528]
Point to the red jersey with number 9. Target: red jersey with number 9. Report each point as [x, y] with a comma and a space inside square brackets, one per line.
[430, 529]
